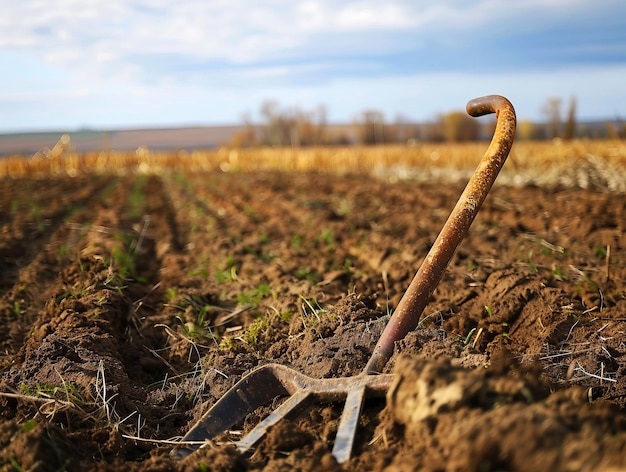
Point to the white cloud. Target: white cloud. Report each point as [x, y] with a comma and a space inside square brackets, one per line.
[233, 54]
[368, 15]
[100, 35]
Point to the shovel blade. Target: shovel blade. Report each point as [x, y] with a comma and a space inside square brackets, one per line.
[266, 383]
[258, 388]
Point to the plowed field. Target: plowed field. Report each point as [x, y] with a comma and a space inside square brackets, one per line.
[130, 303]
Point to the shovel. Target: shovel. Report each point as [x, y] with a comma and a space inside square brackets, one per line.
[264, 384]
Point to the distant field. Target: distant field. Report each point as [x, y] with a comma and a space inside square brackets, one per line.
[204, 137]
[586, 164]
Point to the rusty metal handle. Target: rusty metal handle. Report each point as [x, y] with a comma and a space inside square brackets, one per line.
[406, 316]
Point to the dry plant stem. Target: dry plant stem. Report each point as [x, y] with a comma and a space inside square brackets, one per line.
[415, 299]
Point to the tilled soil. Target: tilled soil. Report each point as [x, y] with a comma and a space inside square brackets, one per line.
[130, 303]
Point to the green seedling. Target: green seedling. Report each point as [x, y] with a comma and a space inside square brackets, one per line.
[600, 252]
[254, 296]
[68, 391]
[532, 264]
[251, 336]
[200, 271]
[489, 311]
[312, 308]
[63, 252]
[327, 237]
[469, 336]
[229, 274]
[16, 465]
[557, 273]
[29, 426]
[297, 241]
[137, 196]
[227, 344]
[171, 294]
[196, 328]
[123, 262]
[71, 294]
[304, 273]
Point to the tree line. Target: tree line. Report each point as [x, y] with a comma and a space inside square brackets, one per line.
[294, 127]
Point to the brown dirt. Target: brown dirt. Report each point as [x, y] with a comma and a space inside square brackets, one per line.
[130, 303]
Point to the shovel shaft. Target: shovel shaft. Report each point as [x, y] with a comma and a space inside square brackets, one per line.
[407, 314]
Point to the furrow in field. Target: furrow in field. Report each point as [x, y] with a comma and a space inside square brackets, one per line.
[36, 217]
[37, 259]
[99, 296]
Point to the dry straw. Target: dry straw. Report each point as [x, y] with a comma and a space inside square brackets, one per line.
[581, 163]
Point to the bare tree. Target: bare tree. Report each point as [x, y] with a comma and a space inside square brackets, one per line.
[552, 111]
[371, 127]
[459, 126]
[570, 125]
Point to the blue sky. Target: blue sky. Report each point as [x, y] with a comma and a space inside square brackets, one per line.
[69, 64]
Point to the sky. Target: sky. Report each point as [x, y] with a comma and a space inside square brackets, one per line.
[110, 64]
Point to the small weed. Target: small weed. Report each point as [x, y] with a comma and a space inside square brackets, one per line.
[489, 311]
[297, 241]
[312, 308]
[227, 344]
[304, 273]
[171, 294]
[63, 252]
[68, 391]
[197, 328]
[228, 274]
[200, 271]
[557, 273]
[532, 264]
[251, 336]
[469, 336]
[29, 426]
[16, 465]
[70, 294]
[254, 296]
[123, 262]
[327, 237]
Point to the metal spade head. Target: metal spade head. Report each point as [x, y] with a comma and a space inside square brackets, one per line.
[270, 381]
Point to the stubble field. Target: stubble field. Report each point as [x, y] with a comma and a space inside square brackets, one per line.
[135, 289]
